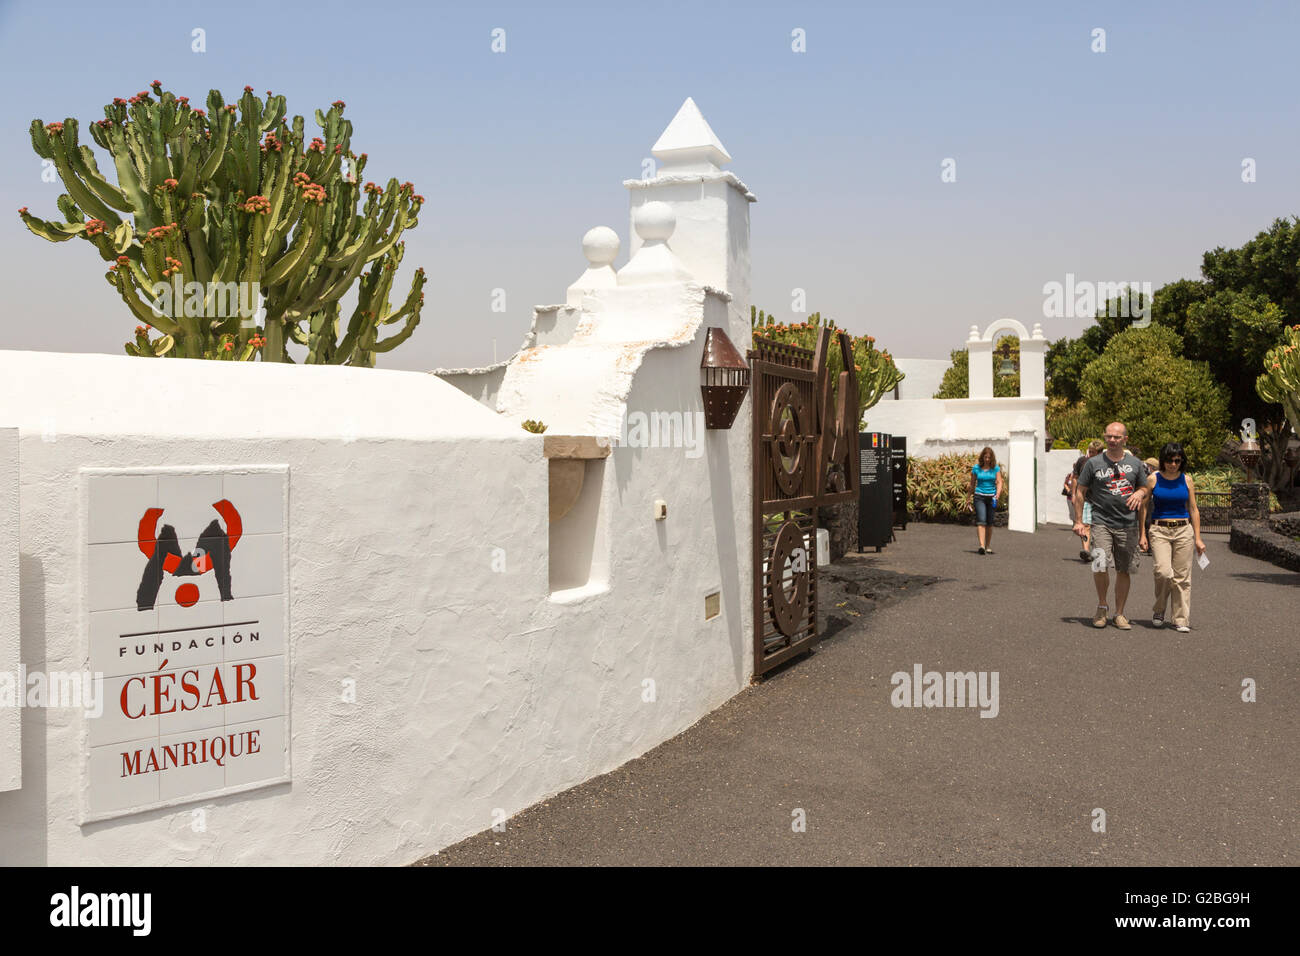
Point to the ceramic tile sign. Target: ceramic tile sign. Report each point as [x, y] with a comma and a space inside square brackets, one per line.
[186, 589]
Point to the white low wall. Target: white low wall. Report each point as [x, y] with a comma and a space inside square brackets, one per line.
[935, 427]
[417, 548]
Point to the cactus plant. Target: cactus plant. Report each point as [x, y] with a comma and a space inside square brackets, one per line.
[235, 202]
[529, 425]
[1281, 379]
[876, 371]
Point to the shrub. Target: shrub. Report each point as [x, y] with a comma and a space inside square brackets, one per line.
[936, 487]
[1071, 424]
[1142, 380]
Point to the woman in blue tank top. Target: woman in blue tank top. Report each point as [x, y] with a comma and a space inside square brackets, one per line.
[985, 488]
[1175, 533]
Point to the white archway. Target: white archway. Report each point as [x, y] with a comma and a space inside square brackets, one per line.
[979, 349]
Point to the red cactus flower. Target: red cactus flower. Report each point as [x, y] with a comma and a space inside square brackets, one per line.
[170, 185]
[54, 128]
[123, 260]
[257, 204]
[418, 199]
[230, 346]
[155, 83]
[94, 227]
[22, 211]
[248, 89]
[118, 101]
[183, 100]
[339, 103]
[269, 93]
[200, 112]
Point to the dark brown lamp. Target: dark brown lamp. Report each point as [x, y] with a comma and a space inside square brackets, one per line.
[1249, 455]
[724, 379]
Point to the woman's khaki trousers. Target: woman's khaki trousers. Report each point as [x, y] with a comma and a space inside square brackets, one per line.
[1172, 550]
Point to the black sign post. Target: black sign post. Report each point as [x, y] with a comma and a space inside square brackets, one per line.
[898, 467]
[875, 491]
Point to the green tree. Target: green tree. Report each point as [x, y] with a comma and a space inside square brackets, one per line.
[1065, 361]
[1142, 379]
[1228, 320]
[956, 380]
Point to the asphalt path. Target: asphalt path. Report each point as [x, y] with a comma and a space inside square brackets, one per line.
[1147, 725]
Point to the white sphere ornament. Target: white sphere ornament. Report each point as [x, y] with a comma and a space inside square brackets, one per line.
[600, 245]
[655, 220]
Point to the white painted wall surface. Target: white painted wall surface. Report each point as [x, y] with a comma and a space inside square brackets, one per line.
[922, 379]
[1058, 463]
[1022, 509]
[475, 691]
[10, 636]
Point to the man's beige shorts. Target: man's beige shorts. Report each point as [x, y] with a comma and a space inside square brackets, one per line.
[1120, 545]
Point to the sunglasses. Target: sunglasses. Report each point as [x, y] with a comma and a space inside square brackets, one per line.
[1175, 461]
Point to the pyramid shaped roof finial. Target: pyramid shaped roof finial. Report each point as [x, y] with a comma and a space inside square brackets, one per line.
[690, 141]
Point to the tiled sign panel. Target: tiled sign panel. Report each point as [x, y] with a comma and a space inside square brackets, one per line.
[186, 589]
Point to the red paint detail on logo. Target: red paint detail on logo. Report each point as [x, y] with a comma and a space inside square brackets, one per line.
[148, 532]
[234, 524]
[187, 595]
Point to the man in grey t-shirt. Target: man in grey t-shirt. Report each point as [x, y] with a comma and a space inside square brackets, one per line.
[1114, 483]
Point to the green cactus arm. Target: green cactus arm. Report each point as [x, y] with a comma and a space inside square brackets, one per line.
[306, 240]
[196, 243]
[77, 189]
[128, 179]
[218, 147]
[130, 292]
[53, 231]
[83, 162]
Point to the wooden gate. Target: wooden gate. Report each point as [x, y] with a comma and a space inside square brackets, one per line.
[804, 456]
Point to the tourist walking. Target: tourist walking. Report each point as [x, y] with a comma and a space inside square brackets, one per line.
[1094, 448]
[1175, 533]
[985, 489]
[1114, 483]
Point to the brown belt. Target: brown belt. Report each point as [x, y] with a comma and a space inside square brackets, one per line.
[1172, 522]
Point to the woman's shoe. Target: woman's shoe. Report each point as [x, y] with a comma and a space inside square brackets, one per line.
[1182, 629]
[988, 550]
[1158, 620]
[982, 551]
[1085, 556]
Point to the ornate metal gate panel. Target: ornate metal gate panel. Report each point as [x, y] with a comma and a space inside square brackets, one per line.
[803, 457]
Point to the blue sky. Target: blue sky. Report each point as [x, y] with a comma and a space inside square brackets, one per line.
[1122, 165]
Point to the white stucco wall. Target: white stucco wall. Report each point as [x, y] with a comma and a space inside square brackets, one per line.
[922, 379]
[475, 691]
[10, 641]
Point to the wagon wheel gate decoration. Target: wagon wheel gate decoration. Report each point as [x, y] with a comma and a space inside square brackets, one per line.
[804, 455]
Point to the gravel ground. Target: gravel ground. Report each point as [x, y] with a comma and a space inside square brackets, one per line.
[1147, 725]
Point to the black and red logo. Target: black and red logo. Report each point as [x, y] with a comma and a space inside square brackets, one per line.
[212, 553]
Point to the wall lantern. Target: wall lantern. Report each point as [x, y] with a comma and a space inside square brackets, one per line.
[724, 379]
